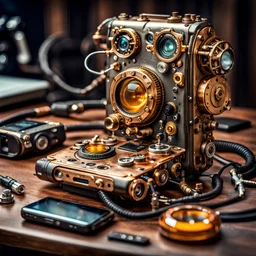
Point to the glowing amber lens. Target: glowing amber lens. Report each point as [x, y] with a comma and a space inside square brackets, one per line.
[97, 148]
[132, 95]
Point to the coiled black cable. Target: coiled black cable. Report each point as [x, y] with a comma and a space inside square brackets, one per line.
[45, 67]
[216, 182]
[241, 150]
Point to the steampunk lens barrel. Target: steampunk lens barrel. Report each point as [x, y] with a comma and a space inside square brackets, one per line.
[167, 46]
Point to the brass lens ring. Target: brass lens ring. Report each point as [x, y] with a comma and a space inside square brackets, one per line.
[160, 176]
[168, 46]
[190, 223]
[125, 43]
[137, 95]
[216, 56]
[138, 189]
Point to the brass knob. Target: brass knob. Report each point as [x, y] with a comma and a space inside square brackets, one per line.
[99, 183]
[113, 122]
[171, 128]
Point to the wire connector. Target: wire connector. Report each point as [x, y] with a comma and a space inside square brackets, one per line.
[237, 182]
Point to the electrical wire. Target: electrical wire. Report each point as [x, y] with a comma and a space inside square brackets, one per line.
[44, 65]
[85, 126]
[93, 71]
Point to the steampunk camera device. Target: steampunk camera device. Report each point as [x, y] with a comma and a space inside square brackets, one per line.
[165, 80]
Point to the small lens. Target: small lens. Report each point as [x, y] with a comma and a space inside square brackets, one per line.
[167, 47]
[139, 190]
[149, 38]
[123, 44]
[226, 60]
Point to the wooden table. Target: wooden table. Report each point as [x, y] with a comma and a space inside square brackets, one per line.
[235, 238]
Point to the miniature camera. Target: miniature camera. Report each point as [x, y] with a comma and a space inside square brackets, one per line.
[27, 136]
[165, 83]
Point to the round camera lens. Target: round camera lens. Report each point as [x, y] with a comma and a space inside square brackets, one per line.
[226, 60]
[123, 43]
[167, 47]
[131, 95]
[149, 38]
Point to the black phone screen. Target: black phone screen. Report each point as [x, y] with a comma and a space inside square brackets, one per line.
[67, 210]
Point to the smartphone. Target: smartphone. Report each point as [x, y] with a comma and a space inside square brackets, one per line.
[67, 215]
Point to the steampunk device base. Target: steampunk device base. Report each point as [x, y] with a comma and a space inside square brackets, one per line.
[123, 169]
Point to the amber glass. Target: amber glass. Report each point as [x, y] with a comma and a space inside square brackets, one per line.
[131, 95]
[97, 148]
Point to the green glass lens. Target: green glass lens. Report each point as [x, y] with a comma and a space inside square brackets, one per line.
[167, 47]
[226, 60]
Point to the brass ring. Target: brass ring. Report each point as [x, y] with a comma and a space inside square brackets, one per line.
[189, 223]
[178, 40]
[134, 42]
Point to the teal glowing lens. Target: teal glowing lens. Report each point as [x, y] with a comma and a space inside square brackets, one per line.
[227, 60]
[123, 44]
[167, 47]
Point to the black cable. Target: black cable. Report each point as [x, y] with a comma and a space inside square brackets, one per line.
[44, 65]
[85, 126]
[129, 214]
[78, 106]
[18, 116]
[226, 166]
[223, 203]
[243, 151]
[216, 181]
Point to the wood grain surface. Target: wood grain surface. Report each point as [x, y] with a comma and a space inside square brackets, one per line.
[234, 239]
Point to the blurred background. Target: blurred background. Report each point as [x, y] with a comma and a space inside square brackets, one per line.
[76, 19]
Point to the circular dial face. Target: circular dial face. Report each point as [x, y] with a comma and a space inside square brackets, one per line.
[131, 95]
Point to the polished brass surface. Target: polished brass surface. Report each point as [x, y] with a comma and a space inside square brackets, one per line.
[160, 176]
[133, 189]
[210, 53]
[190, 223]
[131, 131]
[176, 169]
[178, 79]
[171, 128]
[77, 178]
[213, 95]
[178, 38]
[140, 103]
[77, 171]
[132, 37]
[114, 122]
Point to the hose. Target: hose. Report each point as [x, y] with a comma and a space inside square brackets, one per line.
[241, 150]
[216, 181]
[44, 65]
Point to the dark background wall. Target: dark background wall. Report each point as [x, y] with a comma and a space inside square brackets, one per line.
[233, 20]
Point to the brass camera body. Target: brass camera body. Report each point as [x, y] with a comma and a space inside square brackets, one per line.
[165, 82]
[170, 80]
